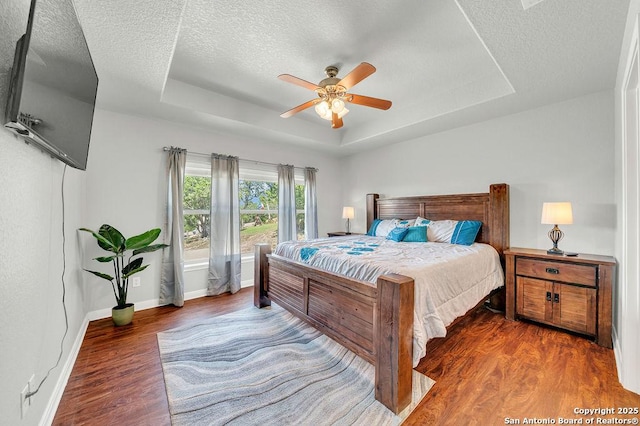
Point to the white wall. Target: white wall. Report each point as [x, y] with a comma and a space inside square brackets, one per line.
[31, 260]
[626, 320]
[126, 186]
[560, 152]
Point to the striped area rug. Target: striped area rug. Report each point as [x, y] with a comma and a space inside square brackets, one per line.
[265, 366]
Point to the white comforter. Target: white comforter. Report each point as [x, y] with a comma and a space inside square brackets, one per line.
[449, 279]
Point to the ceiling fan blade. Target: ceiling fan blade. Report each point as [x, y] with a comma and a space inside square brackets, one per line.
[299, 108]
[367, 101]
[298, 81]
[336, 122]
[358, 74]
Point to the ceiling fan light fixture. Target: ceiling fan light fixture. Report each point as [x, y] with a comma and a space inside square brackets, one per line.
[333, 105]
[337, 105]
[323, 110]
[333, 94]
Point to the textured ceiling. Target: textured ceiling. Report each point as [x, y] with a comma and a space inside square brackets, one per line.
[214, 64]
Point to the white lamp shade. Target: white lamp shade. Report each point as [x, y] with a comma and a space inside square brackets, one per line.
[323, 110]
[337, 105]
[348, 213]
[557, 214]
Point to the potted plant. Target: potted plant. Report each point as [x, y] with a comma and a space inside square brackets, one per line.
[112, 240]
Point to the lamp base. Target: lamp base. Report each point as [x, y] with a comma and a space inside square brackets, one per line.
[555, 235]
[556, 251]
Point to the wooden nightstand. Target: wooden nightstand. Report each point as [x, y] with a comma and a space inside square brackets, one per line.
[341, 234]
[572, 293]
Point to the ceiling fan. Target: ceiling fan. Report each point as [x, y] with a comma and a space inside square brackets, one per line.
[332, 94]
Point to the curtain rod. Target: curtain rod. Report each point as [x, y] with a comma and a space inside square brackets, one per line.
[167, 148]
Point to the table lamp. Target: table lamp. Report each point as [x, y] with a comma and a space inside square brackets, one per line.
[556, 214]
[348, 213]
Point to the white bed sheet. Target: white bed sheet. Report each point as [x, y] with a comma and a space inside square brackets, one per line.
[449, 279]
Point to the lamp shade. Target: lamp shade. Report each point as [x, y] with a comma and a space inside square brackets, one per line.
[348, 213]
[557, 214]
[323, 109]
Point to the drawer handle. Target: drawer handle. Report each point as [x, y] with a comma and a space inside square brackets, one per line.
[553, 271]
[548, 296]
[556, 298]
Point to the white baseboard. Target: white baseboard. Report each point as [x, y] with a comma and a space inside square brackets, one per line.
[154, 303]
[63, 379]
[617, 352]
[61, 384]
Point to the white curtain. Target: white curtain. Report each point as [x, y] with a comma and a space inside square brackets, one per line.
[224, 252]
[286, 203]
[172, 274]
[310, 204]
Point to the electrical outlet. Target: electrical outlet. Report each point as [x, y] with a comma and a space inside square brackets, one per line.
[135, 282]
[25, 401]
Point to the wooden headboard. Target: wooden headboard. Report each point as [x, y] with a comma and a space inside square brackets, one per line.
[491, 208]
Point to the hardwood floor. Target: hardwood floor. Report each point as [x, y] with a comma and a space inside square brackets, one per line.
[487, 370]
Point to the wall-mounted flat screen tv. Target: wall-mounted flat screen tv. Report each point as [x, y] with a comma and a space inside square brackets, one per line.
[53, 84]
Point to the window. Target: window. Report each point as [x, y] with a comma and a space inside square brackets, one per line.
[258, 194]
[196, 200]
[259, 213]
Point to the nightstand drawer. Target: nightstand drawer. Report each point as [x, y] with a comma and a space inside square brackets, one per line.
[557, 271]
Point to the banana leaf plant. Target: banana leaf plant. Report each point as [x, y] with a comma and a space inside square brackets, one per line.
[124, 250]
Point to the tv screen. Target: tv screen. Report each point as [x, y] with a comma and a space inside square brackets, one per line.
[53, 83]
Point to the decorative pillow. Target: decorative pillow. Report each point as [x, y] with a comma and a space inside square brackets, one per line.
[440, 231]
[381, 228]
[405, 223]
[453, 231]
[421, 221]
[397, 234]
[374, 226]
[416, 234]
[466, 232]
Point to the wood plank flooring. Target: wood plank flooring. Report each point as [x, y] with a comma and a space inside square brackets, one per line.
[487, 370]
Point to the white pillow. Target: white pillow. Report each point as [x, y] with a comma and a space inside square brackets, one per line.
[405, 223]
[384, 227]
[453, 231]
[441, 231]
[421, 221]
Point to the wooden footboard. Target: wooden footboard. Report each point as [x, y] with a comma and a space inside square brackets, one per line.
[375, 322]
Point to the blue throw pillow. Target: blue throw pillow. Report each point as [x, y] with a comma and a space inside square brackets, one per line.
[416, 234]
[397, 234]
[465, 232]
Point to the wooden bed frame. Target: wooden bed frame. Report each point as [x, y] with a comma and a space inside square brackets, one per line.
[376, 321]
